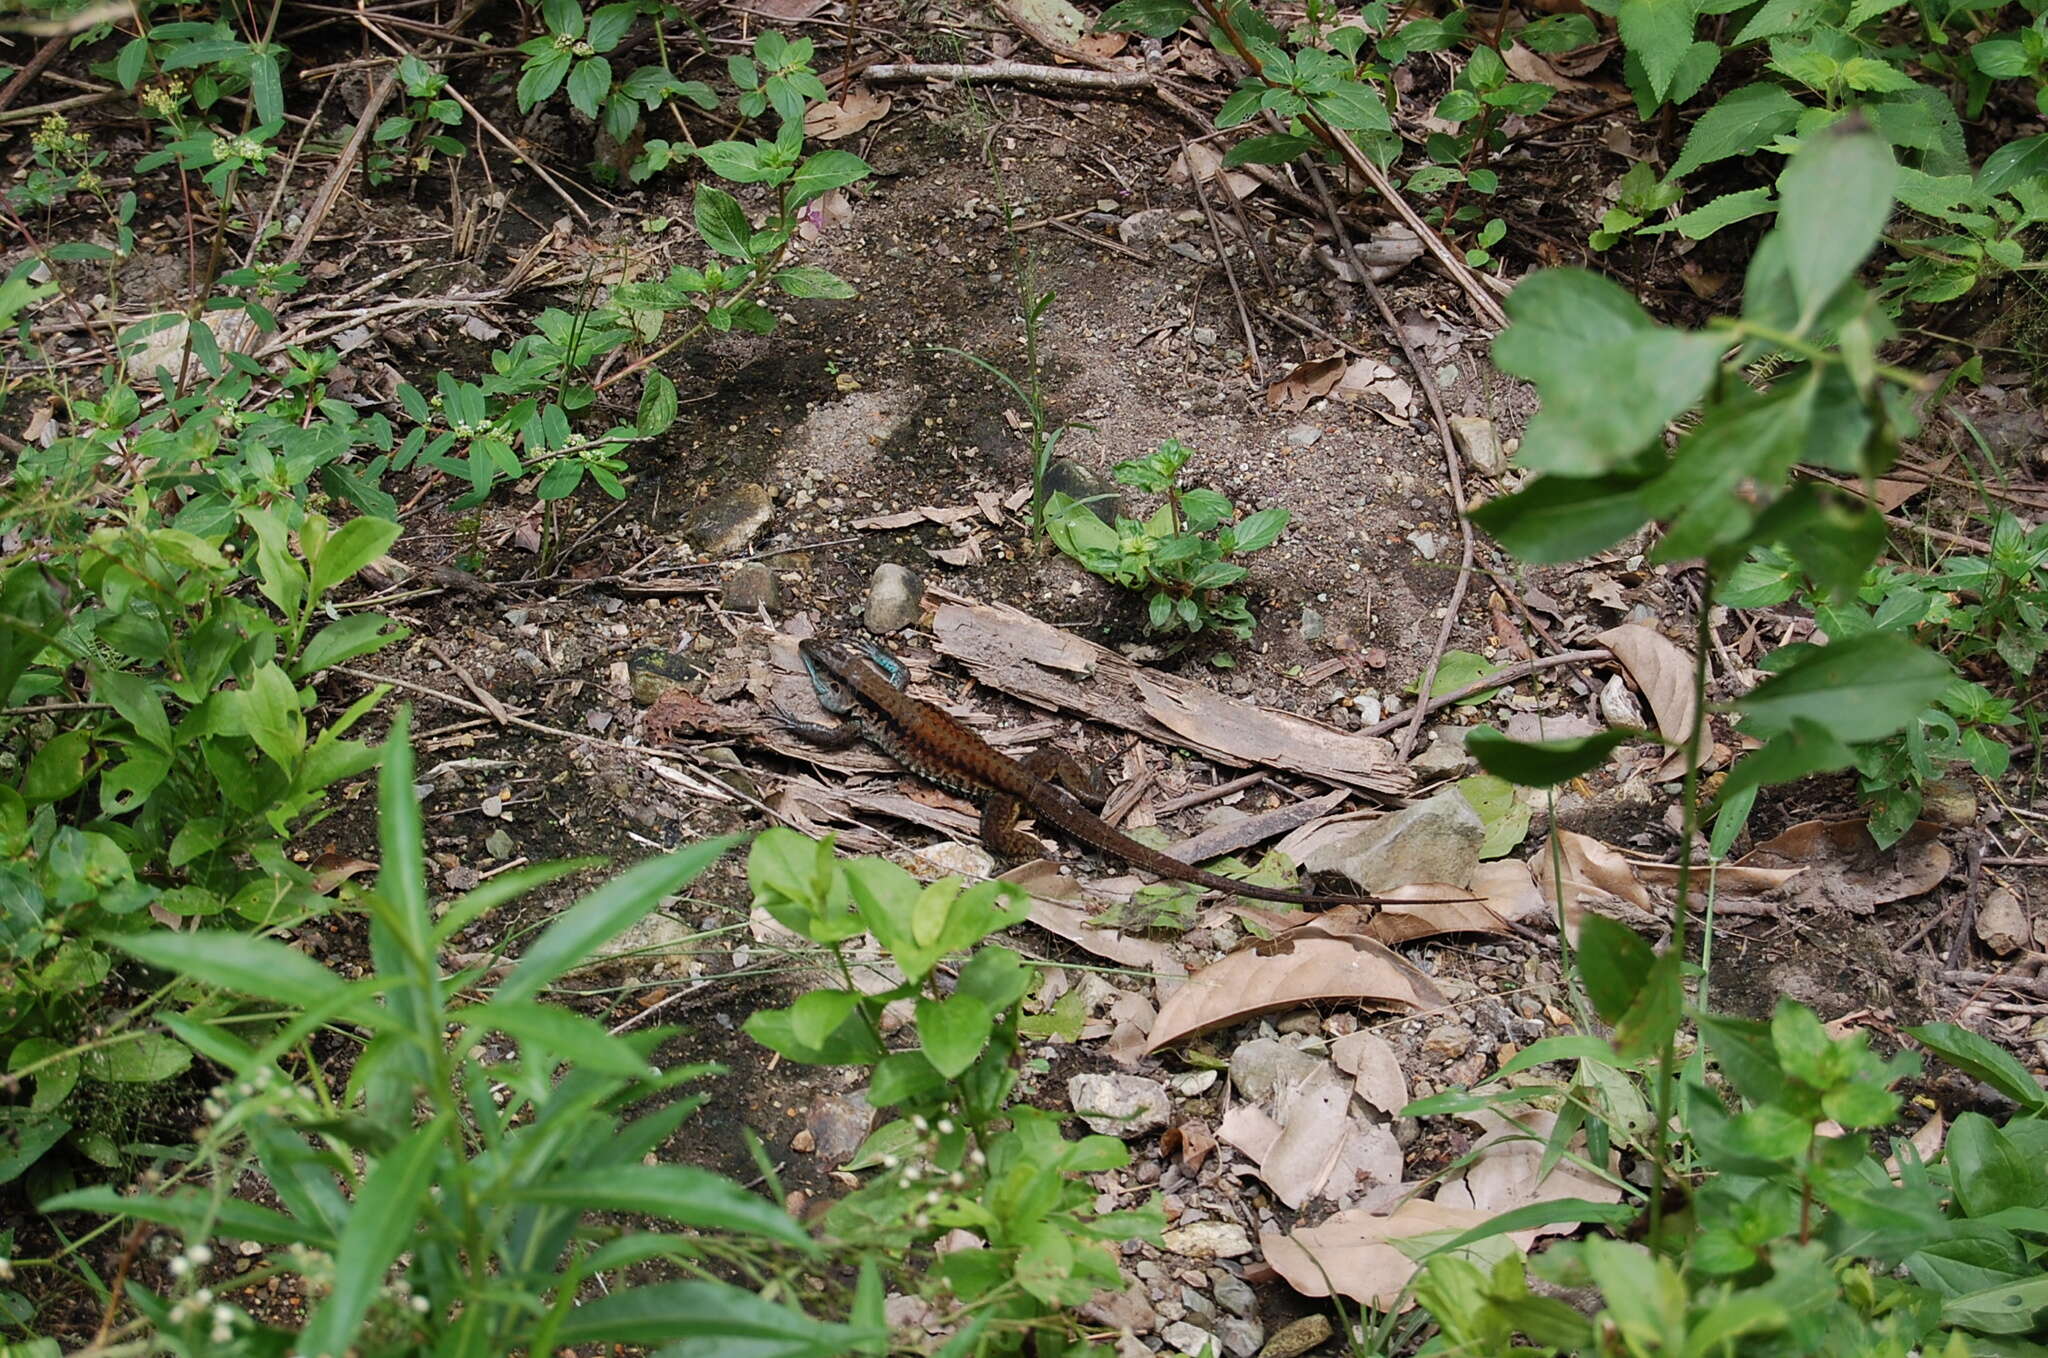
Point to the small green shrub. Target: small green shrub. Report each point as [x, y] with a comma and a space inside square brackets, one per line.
[1180, 557]
[443, 1200]
[961, 1154]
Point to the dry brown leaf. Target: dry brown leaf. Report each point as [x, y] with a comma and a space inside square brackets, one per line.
[1250, 1128]
[785, 11]
[1305, 382]
[1204, 162]
[967, 553]
[906, 518]
[1927, 1141]
[1315, 1123]
[1662, 670]
[1596, 877]
[1847, 871]
[1507, 1173]
[1193, 1142]
[1051, 910]
[330, 870]
[1305, 971]
[1349, 1253]
[846, 115]
[1370, 1059]
[1527, 65]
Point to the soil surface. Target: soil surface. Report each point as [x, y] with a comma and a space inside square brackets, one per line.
[571, 620]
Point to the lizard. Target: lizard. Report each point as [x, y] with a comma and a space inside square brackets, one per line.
[868, 692]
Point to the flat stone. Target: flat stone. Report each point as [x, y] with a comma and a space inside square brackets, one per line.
[1208, 1240]
[895, 599]
[753, 586]
[723, 526]
[1123, 1106]
[1303, 436]
[1445, 756]
[1436, 840]
[1476, 439]
[1241, 1337]
[1262, 1067]
[2002, 923]
[1192, 1340]
[1146, 227]
[1233, 1293]
[1077, 482]
[1298, 1337]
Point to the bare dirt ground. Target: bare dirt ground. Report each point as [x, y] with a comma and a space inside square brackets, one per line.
[850, 411]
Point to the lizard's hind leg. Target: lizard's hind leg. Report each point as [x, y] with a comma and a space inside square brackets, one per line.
[1057, 766]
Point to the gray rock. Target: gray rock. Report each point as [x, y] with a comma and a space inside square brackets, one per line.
[2002, 923]
[752, 586]
[1077, 482]
[895, 598]
[1445, 757]
[1146, 227]
[1241, 1338]
[838, 1123]
[1303, 436]
[1476, 439]
[1433, 841]
[722, 527]
[1233, 1292]
[1311, 624]
[1192, 1340]
[1447, 1041]
[1124, 1106]
[1262, 1067]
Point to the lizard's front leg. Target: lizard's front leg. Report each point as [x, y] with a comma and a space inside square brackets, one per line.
[1051, 765]
[825, 737]
[999, 832]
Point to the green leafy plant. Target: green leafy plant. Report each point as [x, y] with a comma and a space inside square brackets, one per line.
[571, 54]
[960, 1154]
[410, 138]
[1181, 556]
[1987, 614]
[517, 420]
[445, 1200]
[778, 75]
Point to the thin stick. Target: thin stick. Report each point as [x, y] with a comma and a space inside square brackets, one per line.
[1244, 319]
[1500, 678]
[1058, 77]
[344, 166]
[22, 78]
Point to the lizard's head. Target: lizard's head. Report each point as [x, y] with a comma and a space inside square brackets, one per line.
[829, 665]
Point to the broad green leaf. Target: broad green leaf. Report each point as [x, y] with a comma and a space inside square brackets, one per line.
[2022, 159]
[606, 912]
[1989, 1171]
[657, 405]
[194, 1214]
[1659, 34]
[1743, 121]
[387, 1212]
[1259, 530]
[699, 1319]
[1726, 210]
[137, 701]
[557, 1035]
[1563, 518]
[1864, 688]
[242, 963]
[1580, 338]
[58, 769]
[1548, 763]
[1836, 196]
[819, 174]
[1153, 18]
[589, 82]
[350, 548]
[953, 1031]
[722, 222]
[1985, 1060]
[682, 1193]
[150, 1057]
[807, 280]
[1615, 963]
[1504, 815]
